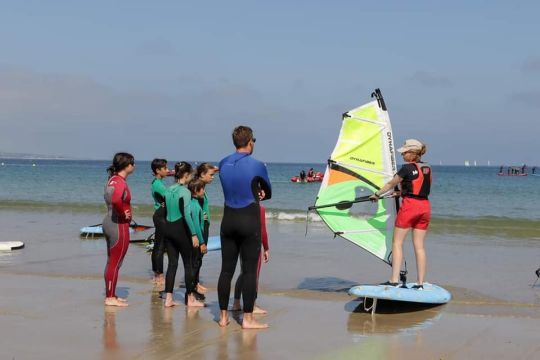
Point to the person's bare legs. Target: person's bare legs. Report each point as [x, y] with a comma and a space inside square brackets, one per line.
[248, 322]
[223, 318]
[418, 241]
[397, 252]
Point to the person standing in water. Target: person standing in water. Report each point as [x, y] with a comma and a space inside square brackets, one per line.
[245, 182]
[415, 212]
[265, 255]
[160, 171]
[205, 172]
[180, 235]
[116, 223]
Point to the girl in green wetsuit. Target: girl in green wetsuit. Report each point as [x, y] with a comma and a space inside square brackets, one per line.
[206, 173]
[196, 186]
[158, 188]
[180, 235]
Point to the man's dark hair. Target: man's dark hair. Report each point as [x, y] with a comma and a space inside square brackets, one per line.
[158, 164]
[241, 136]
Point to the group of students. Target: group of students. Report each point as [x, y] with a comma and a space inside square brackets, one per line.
[182, 221]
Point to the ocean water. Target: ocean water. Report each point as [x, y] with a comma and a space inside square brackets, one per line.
[463, 198]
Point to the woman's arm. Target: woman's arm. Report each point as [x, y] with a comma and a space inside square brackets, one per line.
[387, 187]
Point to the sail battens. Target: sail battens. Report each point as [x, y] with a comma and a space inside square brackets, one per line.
[346, 165]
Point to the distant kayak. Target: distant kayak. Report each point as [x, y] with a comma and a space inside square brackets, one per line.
[318, 177]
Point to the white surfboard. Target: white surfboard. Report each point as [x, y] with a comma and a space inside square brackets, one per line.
[11, 245]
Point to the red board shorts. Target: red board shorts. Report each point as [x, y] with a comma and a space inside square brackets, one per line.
[414, 213]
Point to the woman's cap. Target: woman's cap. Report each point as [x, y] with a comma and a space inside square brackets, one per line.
[411, 145]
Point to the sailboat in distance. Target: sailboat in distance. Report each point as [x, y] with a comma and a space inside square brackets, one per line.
[362, 162]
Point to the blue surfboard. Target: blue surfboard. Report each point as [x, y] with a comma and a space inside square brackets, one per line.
[214, 243]
[431, 294]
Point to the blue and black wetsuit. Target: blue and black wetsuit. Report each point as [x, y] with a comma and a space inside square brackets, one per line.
[242, 177]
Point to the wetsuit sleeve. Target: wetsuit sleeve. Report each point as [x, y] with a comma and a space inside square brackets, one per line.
[159, 188]
[117, 199]
[196, 214]
[264, 234]
[187, 213]
[263, 181]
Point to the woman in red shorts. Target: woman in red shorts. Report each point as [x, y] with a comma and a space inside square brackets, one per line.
[414, 178]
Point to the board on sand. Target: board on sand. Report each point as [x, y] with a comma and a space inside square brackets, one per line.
[214, 243]
[11, 245]
[97, 230]
[431, 294]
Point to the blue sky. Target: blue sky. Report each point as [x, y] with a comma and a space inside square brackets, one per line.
[171, 79]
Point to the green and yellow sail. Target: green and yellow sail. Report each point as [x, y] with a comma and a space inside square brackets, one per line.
[363, 160]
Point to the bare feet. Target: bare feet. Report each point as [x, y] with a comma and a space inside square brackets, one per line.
[223, 318]
[158, 279]
[258, 311]
[249, 323]
[112, 301]
[201, 289]
[191, 301]
[169, 301]
[121, 299]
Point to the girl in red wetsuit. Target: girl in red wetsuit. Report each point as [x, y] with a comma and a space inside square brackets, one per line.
[116, 222]
[265, 255]
[415, 212]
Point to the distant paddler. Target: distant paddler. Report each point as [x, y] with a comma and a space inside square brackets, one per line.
[414, 178]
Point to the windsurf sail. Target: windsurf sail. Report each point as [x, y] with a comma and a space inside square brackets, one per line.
[363, 161]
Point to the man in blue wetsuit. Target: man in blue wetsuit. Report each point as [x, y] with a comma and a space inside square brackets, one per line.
[245, 182]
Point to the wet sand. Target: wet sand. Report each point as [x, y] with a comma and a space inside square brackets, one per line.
[51, 302]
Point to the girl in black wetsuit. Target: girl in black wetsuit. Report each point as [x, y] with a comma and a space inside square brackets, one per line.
[160, 171]
[180, 235]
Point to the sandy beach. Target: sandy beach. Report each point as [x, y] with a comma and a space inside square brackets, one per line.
[51, 303]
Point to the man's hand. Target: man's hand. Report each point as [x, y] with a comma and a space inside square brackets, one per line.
[266, 255]
[204, 249]
[195, 241]
[127, 214]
